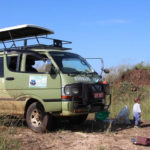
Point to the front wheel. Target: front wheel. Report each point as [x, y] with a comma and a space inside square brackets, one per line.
[36, 117]
[78, 119]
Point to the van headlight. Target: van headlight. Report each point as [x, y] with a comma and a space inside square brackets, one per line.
[67, 90]
[71, 90]
[75, 91]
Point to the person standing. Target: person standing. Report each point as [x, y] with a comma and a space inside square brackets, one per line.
[137, 112]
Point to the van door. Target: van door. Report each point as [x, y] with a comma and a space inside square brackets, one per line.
[29, 79]
[3, 92]
[6, 100]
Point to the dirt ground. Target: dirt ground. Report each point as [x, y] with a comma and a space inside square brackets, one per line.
[91, 135]
[138, 77]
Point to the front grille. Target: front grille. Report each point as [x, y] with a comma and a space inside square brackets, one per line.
[88, 92]
[87, 95]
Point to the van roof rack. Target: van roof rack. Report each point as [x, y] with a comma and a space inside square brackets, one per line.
[11, 36]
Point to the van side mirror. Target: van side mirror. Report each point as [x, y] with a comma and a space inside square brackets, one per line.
[106, 70]
[52, 70]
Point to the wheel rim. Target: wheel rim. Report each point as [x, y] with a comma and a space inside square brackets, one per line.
[36, 118]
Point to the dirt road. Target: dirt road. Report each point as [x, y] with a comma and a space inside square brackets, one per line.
[89, 136]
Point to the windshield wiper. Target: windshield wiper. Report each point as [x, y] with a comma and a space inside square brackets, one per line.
[93, 72]
[75, 72]
[80, 72]
[83, 72]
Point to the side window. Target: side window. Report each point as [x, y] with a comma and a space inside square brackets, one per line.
[30, 62]
[36, 64]
[12, 62]
[1, 67]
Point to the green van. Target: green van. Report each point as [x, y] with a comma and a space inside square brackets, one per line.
[46, 81]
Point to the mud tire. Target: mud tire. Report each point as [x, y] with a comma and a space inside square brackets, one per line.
[36, 118]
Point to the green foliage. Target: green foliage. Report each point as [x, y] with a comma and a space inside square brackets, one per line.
[141, 65]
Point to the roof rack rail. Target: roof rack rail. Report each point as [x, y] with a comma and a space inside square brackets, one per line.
[22, 37]
[23, 43]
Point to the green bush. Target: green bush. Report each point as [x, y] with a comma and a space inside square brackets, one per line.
[141, 65]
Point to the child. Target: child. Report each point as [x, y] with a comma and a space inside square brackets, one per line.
[137, 112]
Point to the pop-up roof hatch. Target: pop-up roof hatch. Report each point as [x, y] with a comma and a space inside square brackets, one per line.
[29, 32]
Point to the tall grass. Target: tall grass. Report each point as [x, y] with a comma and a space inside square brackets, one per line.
[116, 72]
[123, 93]
[141, 65]
[7, 130]
[8, 144]
[116, 107]
[121, 98]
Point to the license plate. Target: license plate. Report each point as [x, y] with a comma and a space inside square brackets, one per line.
[98, 95]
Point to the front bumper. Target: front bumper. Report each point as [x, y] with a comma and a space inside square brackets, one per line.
[90, 98]
[70, 107]
[92, 107]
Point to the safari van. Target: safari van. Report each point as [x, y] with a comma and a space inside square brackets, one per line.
[40, 79]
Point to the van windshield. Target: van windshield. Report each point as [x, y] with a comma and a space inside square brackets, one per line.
[71, 63]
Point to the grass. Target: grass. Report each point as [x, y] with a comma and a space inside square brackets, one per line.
[116, 72]
[141, 65]
[125, 92]
[101, 148]
[7, 130]
[8, 144]
[122, 96]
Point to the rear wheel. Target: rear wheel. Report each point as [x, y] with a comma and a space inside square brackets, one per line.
[36, 117]
[78, 119]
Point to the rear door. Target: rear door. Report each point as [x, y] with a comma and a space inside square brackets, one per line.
[3, 93]
[6, 100]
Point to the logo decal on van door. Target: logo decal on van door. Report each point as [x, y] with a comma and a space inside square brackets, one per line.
[37, 81]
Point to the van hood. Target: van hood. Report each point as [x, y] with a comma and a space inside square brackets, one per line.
[81, 78]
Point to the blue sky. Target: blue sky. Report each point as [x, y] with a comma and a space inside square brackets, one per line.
[116, 30]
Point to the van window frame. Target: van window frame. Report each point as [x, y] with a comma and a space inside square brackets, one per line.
[18, 62]
[34, 55]
[20, 54]
[2, 67]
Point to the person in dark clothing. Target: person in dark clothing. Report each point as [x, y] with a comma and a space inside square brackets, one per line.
[29, 64]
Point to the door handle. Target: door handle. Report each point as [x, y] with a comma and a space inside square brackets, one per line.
[10, 78]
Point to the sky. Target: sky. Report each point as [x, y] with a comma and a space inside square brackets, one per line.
[116, 30]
